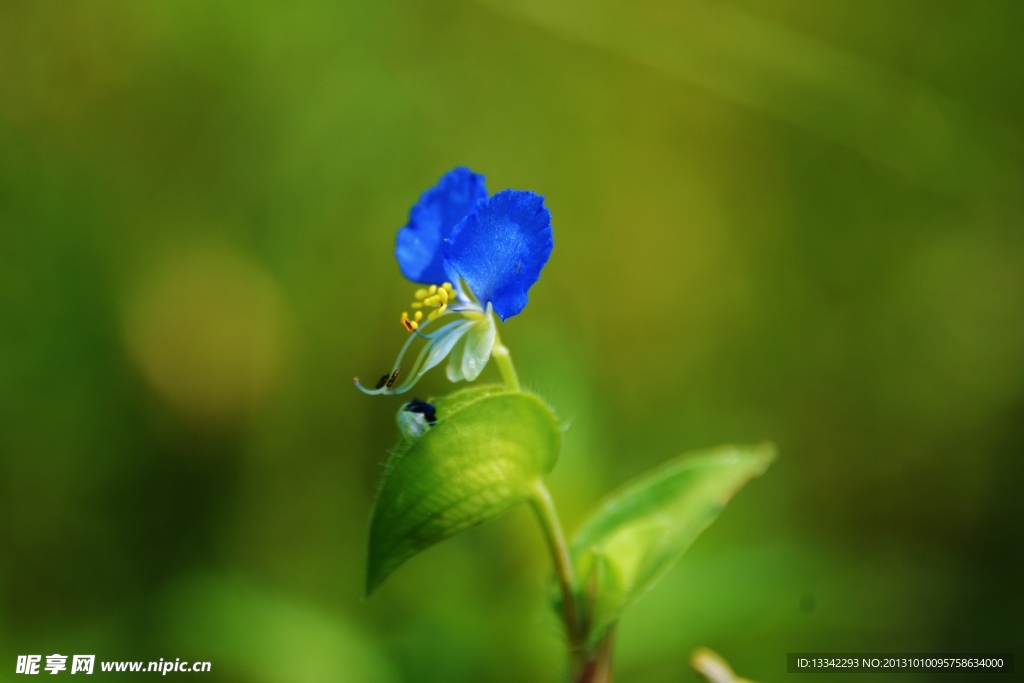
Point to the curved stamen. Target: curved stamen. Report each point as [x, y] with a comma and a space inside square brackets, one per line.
[445, 299]
[437, 333]
[433, 352]
[466, 308]
[398, 361]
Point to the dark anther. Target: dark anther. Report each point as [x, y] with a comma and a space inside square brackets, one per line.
[394, 375]
[382, 381]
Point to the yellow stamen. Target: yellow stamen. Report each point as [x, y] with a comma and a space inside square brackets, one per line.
[434, 296]
[409, 325]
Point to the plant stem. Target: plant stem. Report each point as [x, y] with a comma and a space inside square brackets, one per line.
[599, 663]
[544, 506]
[598, 666]
[503, 358]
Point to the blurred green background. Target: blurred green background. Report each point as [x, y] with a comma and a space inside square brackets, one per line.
[793, 220]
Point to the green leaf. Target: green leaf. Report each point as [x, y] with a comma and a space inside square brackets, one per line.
[643, 529]
[486, 452]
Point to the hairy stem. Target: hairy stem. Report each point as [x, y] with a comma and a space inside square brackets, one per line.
[503, 358]
[548, 518]
[547, 515]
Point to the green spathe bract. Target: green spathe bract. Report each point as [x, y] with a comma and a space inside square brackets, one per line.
[642, 530]
[486, 453]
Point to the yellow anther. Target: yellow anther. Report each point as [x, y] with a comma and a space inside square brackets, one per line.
[434, 296]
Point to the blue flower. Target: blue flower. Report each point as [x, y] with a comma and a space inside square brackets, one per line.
[500, 248]
[478, 254]
[420, 242]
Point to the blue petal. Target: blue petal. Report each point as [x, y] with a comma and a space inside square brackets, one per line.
[500, 248]
[420, 243]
